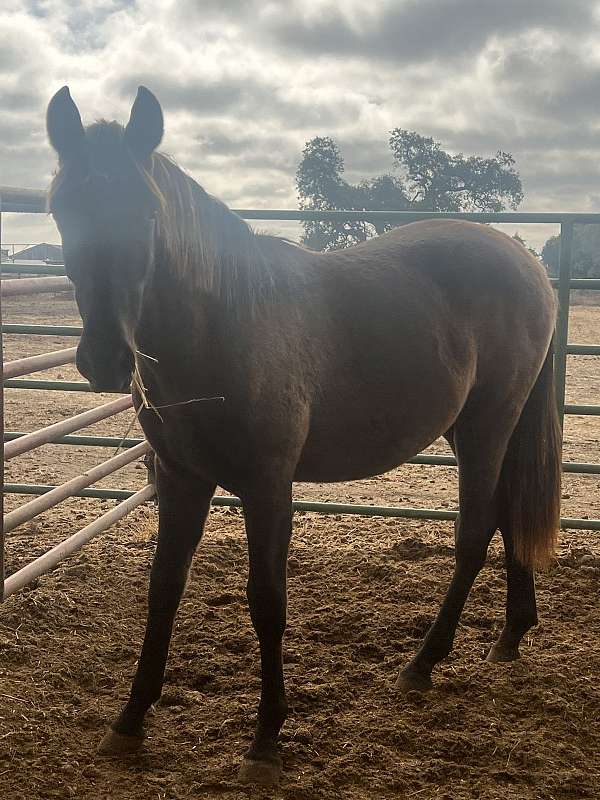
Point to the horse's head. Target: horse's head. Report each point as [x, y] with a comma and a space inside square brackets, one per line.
[105, 208]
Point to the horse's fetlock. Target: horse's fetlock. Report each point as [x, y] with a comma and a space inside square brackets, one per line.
[519, 623]
[271, 716]
[527, 620]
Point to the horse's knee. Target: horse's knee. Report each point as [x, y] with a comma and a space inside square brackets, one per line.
[267, 602]
[165, 591]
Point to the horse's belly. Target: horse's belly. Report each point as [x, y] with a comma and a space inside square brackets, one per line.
[335, 468]
[350, 452]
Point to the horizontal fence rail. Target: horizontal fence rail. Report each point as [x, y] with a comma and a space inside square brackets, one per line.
[86, 441]
[59, 385]
[46, 435]
[585, 284]
[57, 554]
[34, 201]
[32, 269]
[43, 330]
[41, 488]
[51, 278]
[308, 506]
[25, 366]
[424, 459]
[68, 489]
[83, 386]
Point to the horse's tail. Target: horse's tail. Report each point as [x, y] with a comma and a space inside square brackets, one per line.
[531, 474]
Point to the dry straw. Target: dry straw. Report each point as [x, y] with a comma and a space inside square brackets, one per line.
[138, 383]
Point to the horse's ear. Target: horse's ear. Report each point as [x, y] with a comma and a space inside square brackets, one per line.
[144, 130]
[63, 124]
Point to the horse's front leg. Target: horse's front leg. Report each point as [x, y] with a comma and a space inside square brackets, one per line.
[268, 515]
[184, 503]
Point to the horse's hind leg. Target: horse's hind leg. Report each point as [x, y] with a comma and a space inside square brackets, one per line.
[480, 442]
[521, 609]
[521, 612]
[268, 515]
[183, 507]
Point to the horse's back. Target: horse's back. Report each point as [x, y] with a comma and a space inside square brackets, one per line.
[458, 256]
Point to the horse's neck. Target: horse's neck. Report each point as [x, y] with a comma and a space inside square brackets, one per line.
[173, 315]
[181, 313]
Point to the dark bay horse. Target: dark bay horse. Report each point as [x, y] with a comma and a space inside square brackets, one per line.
[330, 367]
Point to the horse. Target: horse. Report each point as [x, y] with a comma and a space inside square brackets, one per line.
[321, 367]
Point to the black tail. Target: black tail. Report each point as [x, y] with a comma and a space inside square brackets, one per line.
[531, 474]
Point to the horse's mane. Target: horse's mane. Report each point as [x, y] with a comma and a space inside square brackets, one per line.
[204, 241]
[201, 241]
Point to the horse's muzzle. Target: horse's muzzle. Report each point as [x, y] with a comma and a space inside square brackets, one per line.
[106, 372]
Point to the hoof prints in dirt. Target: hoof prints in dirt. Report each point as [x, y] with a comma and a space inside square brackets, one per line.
[522, 730]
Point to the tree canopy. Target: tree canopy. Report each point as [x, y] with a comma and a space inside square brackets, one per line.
[585, 257]
[429, 179]
[518, 238]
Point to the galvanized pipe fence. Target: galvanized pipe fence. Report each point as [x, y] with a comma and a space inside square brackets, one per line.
[51, 278]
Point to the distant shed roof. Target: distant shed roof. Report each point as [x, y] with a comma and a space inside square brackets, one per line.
[40, 252]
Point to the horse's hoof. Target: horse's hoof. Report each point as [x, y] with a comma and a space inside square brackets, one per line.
[118, 744]
[410, 680]
[501, 652]
[259, 773]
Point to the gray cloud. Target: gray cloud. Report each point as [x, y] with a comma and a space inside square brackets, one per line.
[555, 83]
[223, 144]
[11, 56]
[186, 11]
[245, 83]
[205, 98]
[251, 98]
[414, 31]
[19, 98]
[366, 156]
[14, 130]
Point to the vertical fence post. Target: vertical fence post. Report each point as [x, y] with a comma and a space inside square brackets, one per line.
[1, 429]
[562, 323]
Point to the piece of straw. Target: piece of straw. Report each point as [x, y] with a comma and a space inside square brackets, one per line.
[147, 403]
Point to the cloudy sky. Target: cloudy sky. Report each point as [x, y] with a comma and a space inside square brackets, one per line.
[245, 83]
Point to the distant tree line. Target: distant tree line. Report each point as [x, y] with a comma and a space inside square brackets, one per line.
[427, 179]
[430, 179]
[585, 255]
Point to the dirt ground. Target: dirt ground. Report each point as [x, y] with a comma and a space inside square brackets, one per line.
[362, 592]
